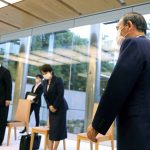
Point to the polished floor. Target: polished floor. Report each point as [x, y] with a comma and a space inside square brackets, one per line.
[70, 144]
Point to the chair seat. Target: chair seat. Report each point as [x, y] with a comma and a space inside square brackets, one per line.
[16, 124]
[82, 134]
[21, 118]
[10, 121]
[99, 137]
[40, 129]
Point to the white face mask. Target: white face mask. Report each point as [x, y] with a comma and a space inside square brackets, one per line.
[47, 76]
[119, 38]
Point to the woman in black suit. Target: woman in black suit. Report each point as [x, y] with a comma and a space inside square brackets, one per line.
[54, 96]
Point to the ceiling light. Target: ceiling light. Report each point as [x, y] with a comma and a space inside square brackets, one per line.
[2, 4]
[122, 2]
[12, 1]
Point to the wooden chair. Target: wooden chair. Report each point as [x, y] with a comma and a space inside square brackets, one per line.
[42, 130]
[21, 118]
[100, 138]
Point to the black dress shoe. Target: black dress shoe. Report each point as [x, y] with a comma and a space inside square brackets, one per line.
[23, 131]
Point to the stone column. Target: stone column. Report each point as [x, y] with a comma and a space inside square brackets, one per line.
[93, 77]
[22, 70]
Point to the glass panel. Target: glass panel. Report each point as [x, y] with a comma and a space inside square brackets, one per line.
[81, 41]
[78, 78]
[109, 53]
[65, 51]
[147, 18]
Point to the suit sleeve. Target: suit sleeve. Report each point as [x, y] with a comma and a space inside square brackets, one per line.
[121, 83]
[60, 93]
[8, 83]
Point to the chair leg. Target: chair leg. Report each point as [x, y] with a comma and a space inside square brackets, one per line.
[78, 143]
[64, 144]
[96, 146]
[27, 129]
[45, 142]
[112, 144]
[91, 145]
[32, 140]
[15, 132]
[8, 138]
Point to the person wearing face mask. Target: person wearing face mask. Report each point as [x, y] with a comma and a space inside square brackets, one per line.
[37, 90]
[127, 95]
[119, 38]
[57, 105]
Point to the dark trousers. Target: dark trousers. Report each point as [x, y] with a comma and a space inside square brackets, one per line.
[3, 121]
[36, 110]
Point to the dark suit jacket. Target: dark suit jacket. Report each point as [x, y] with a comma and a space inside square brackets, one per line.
[5, 85]
[38, 93]
[127, 96]
[55, 94]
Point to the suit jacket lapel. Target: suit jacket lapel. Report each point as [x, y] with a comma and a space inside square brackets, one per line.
[53, 80]
[33, 89]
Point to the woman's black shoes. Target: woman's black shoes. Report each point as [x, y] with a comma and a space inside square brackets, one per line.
[23, 131]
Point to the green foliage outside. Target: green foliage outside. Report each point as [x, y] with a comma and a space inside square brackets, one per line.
[64, 40]
[73, 75]
[106, 69]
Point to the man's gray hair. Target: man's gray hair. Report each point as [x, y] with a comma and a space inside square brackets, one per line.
[137, 19]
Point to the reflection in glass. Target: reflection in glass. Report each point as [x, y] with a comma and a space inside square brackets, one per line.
[109, 53]
[67, 52]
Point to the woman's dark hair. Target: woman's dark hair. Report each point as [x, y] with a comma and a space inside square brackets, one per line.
[39, 76]
[137, 20]
[46, 68]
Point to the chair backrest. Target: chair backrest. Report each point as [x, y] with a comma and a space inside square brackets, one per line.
[23, 110]
[111, 129]
[94, 109]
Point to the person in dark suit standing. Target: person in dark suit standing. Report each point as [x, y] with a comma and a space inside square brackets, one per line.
[127, 94]
[37, 90]
[57, 105]
[5, 98]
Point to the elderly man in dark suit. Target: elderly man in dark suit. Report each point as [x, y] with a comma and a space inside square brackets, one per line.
[5, 97]
[127, 94]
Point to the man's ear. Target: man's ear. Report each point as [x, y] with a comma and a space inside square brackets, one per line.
[129, 24]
